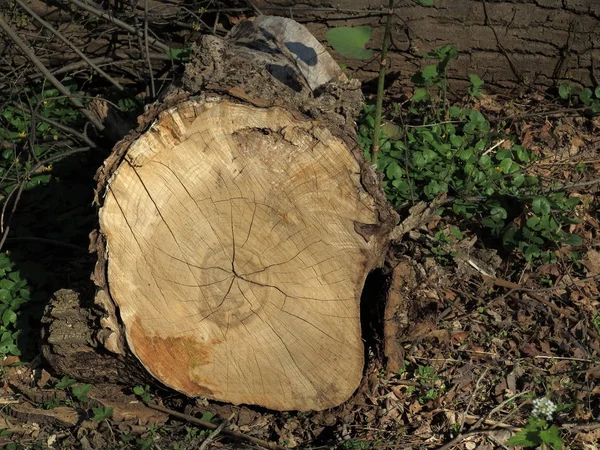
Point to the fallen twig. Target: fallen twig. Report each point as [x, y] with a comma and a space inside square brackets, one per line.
[97, 12]
[212, 426]
[42, 68]
[213, 435]
[147, 51]
[56, 33]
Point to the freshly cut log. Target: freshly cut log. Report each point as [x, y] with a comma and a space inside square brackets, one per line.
[237, 228]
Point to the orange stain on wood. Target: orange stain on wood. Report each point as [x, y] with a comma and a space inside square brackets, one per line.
[173, 360]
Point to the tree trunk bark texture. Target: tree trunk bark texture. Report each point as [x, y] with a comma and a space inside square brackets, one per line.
[237, 227]
[505, 42]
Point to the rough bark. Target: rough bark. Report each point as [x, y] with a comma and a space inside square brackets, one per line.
[237, 227]
[506, 42]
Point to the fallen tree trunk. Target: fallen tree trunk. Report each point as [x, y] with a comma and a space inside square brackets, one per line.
[237, 227]
[508, 43]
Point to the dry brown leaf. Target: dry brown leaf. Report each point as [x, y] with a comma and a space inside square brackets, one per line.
[592, 262]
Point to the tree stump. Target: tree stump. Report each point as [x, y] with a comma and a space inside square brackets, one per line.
[237, 227]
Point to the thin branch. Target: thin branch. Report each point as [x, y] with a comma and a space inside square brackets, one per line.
[49, 27]
[57, 84]
[105, 60]
[6, 230]
[97, 12]
[464, 416]
[381, 84]
[212, 426]
[60, 126]
[214, 434]
[254, 8]
[152, 88]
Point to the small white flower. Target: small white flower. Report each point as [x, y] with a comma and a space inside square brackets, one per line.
[544, 408]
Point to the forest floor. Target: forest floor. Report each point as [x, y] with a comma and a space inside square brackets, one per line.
[474, 337]
[473, 350]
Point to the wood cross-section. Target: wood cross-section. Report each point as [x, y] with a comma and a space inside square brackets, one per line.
[235, 258]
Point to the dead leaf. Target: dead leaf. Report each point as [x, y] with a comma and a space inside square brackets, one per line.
[62, 416]
[592, 262]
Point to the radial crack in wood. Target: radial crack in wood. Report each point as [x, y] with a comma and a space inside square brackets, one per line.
[234, 259]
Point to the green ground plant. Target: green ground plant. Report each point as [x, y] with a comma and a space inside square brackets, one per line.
[77, 390]
[32, 144]
[537, 434]
[435, 147]
[14, 293]
[143, 392]
[582, 97]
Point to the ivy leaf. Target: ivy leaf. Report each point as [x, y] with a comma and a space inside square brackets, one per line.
[585, 95]
[8, 317]
[564, 90]
[350, 41]
[541, 206]
[506, 164]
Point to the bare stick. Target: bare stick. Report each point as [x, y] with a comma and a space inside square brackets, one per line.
[42, 68]
[154, 42]
[152, 89]
[60, 126]
[381, 84]
[56, 33]
[464, 416]
[213, 435]
[12, 212]
[212, 426]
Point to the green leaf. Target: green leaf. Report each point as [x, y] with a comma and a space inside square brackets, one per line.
[531, 251]
[208, 416]
[426, 2]
[541, 205]
[420, 95]
[138, 390]
[394, 171]
[525, 438]
[350, 41]
[572, 239]
[498, 213]
[465, 153]
[6, 284]
[564, 90]
[476, 81]
[80, 392]
[102, 413]
[506, 164]
[392, 130]
[430, 72]
[5, 296]
[8, 317]
[65, 382]
[585, 95]
[518, 180]
[179, 54]
[552, 436]
[534, 223]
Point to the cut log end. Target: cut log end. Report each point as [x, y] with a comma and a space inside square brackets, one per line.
[238, 241]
